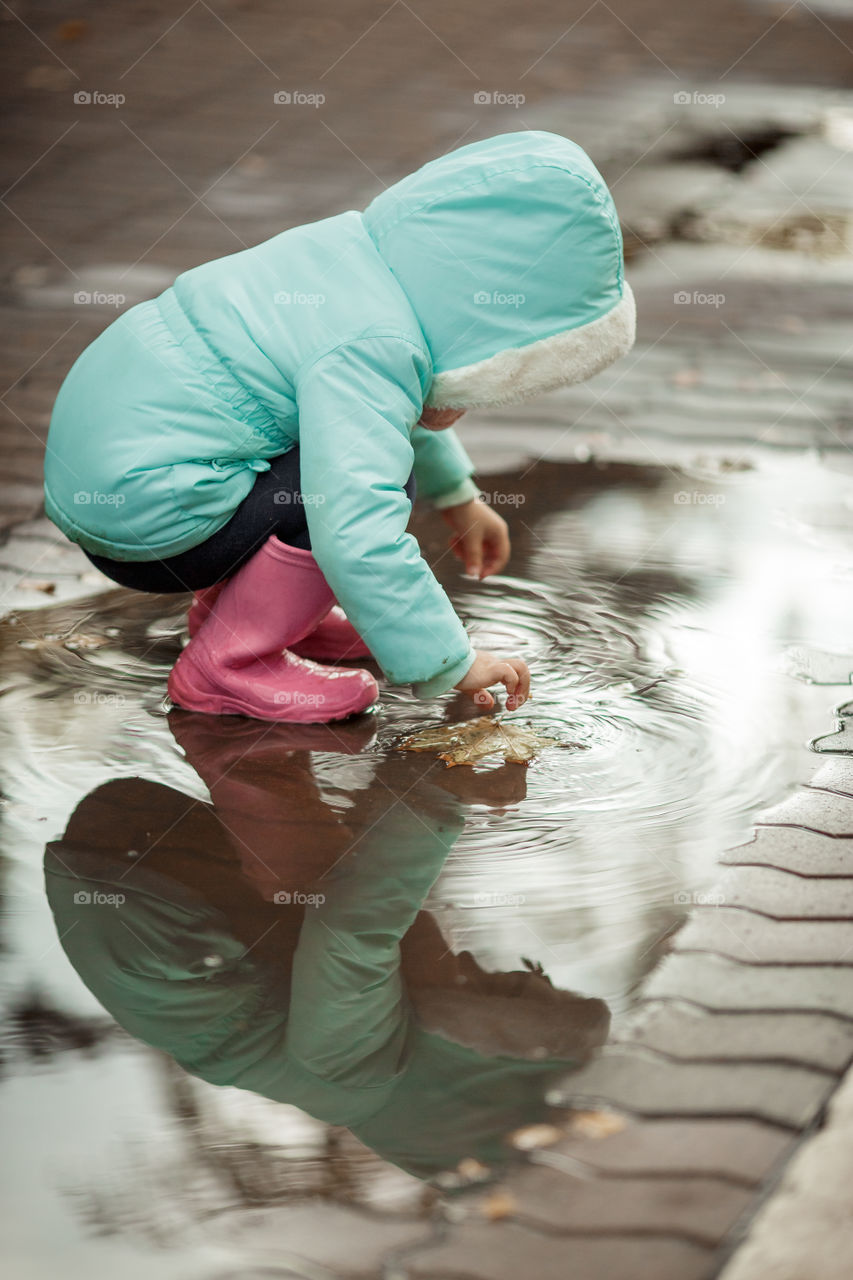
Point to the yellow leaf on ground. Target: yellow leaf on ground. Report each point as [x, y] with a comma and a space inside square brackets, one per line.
[535, 1135]
[597, 1124]
[498, 1205]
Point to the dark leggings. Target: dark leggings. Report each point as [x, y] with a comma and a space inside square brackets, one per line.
[274, 505]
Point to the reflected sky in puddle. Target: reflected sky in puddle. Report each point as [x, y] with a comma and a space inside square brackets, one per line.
[674, 623]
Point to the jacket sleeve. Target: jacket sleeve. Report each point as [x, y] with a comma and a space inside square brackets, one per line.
[349, 1011]
[357, 407]
[443, 470]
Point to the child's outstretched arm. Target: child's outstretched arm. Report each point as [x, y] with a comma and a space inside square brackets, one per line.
[358, 404]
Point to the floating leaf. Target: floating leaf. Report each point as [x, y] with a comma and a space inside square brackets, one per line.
[535, 1135]
[475, 740]
[498, 1205]
[597, 1124]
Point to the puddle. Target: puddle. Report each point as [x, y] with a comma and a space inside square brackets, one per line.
[233, 893]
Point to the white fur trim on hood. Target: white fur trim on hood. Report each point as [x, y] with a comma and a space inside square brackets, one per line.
[519, 373]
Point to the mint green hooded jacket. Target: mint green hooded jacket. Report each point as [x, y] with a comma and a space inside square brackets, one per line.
[488, 276]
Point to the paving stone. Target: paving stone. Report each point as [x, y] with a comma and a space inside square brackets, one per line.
[349, 1241]
[803, 1232]
[790, 849]
[722, 984]
[35, 552]
[808, 1039]
[782, 893]
[817, 810]
[743, 935]
[835, 775]
[652, 197]
[701, 1209]
[504, 1251]
[839, 742]
[395, 74]
[741, 1150]
[634, 1080]
[817, 666]
[799, 194]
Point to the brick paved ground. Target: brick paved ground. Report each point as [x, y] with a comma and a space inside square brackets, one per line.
[744, 1031]
[199, 161]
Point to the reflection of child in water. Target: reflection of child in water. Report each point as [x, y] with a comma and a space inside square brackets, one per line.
[351, 1008]
[256, 432]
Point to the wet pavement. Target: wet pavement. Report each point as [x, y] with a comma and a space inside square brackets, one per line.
[191, 859]
[455, 944]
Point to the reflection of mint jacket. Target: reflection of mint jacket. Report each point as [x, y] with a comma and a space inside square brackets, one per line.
[239, 994]
[486, 277]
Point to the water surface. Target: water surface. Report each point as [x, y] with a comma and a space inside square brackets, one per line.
[677, 622]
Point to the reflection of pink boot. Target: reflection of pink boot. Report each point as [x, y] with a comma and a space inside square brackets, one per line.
[240, 660]
[335, 639]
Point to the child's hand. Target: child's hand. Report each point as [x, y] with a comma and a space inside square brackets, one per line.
[488, 668]
[480, 537]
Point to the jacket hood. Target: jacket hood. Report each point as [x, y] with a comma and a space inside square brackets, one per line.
[510, 253]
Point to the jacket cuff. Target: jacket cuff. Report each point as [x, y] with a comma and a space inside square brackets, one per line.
[446, 678]
[464, 492]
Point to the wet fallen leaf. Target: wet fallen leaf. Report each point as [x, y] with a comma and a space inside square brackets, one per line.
[498, 1205]
[597, 1124]
[535, 1135]
[72, 640]
[73, 29]
[472, 1170]
[475, 740]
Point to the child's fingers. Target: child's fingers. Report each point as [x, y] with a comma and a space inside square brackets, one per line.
[472, 547]
[466, 549]
[497, 547]
[524, 677]
[520, 692]
[510, 678]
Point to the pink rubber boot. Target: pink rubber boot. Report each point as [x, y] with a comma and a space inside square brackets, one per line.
[203, 602]
[239, 663]
[333, 640]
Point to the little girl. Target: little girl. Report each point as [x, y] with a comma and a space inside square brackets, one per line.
[255, 434]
